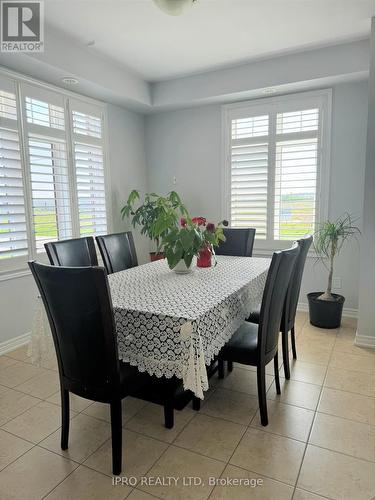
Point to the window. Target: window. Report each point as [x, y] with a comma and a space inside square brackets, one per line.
[13, 232]
[89, 168]
[52, 170]
[276, 166]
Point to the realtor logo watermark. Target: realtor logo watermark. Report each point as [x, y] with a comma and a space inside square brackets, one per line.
[22, 26]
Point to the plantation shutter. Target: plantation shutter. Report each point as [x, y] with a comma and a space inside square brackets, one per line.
[48, 167]
[52, 169]
[13, 229]
[296, 173]
[274, 179]
[88, 146]
[249, 173]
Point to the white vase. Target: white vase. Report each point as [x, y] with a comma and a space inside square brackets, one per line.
[181, 268]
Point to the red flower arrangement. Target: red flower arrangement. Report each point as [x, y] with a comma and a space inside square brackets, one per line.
[211, 237]
[199, 221]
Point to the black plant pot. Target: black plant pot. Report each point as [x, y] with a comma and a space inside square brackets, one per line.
[325, 313]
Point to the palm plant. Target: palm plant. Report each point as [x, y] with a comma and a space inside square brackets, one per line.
[328, 242]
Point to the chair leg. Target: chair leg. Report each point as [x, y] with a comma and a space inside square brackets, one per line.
[220, 367]
[276, 368]
[285, 354]
[293, 337]
[116, 431]
[230, 366]
[196, 403]
[169, 414]
[65, 418]
[261, 381]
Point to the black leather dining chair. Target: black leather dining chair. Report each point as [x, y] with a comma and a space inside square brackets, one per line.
[257, 345]
[290, 306]
[117, 251]
[77, 252]
[79, 309]
[239, 242]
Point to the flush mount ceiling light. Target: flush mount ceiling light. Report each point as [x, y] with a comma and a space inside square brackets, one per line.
[269, 90]
[174, 7]
[69, 80]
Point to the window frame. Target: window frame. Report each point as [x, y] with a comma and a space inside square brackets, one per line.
[17, 266]
[321, 99]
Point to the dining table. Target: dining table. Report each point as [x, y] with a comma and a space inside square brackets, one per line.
[171, 324]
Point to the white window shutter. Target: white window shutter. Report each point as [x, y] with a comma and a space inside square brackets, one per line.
[295, 188]
[296, 166]
[52, 169]
[47, 166]
[87, 124]
[49, 190]
[249, 173]
[275, 151]
[90, 189]
[13, 231]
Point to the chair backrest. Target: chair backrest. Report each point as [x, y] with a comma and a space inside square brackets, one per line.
[239, 242]
[278, 278]
[291, 301]
[78, 252]
[79, 309]
[117, 251]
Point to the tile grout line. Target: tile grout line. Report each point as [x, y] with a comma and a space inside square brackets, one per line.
[316, 412]
[313, 422]
[140, 434]
[236, 447]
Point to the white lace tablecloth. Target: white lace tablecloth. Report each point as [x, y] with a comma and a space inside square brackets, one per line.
[170, 324]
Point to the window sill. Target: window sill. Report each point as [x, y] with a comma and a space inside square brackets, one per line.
[268, 252]
[11, 274]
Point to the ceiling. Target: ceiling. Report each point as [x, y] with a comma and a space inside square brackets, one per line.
[136, 35]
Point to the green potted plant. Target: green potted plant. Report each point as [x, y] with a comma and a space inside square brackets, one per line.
[181, 244]
[326, 307]
[155, 215]
[187, 239]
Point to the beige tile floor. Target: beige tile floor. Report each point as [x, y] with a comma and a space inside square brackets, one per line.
[320, 441]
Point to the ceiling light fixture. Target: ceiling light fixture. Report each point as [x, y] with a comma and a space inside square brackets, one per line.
[174, 7]
[69, 80]
[269, 90]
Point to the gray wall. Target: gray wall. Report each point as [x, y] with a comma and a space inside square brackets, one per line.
[126, 133]
[366, 323]
[127, 170]
[186, 144]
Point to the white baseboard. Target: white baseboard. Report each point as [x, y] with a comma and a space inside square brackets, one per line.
[364, 341]
[348, 312]
[11, 344]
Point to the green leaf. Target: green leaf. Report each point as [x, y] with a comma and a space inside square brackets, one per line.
[133, 197]
[210, 237]
[187, 238]
[188, 259]
[174, 256]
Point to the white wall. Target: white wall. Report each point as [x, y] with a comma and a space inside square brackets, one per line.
[366, 323]
[126, 134]
[312, 68]
[127, 170]
[187, 144]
